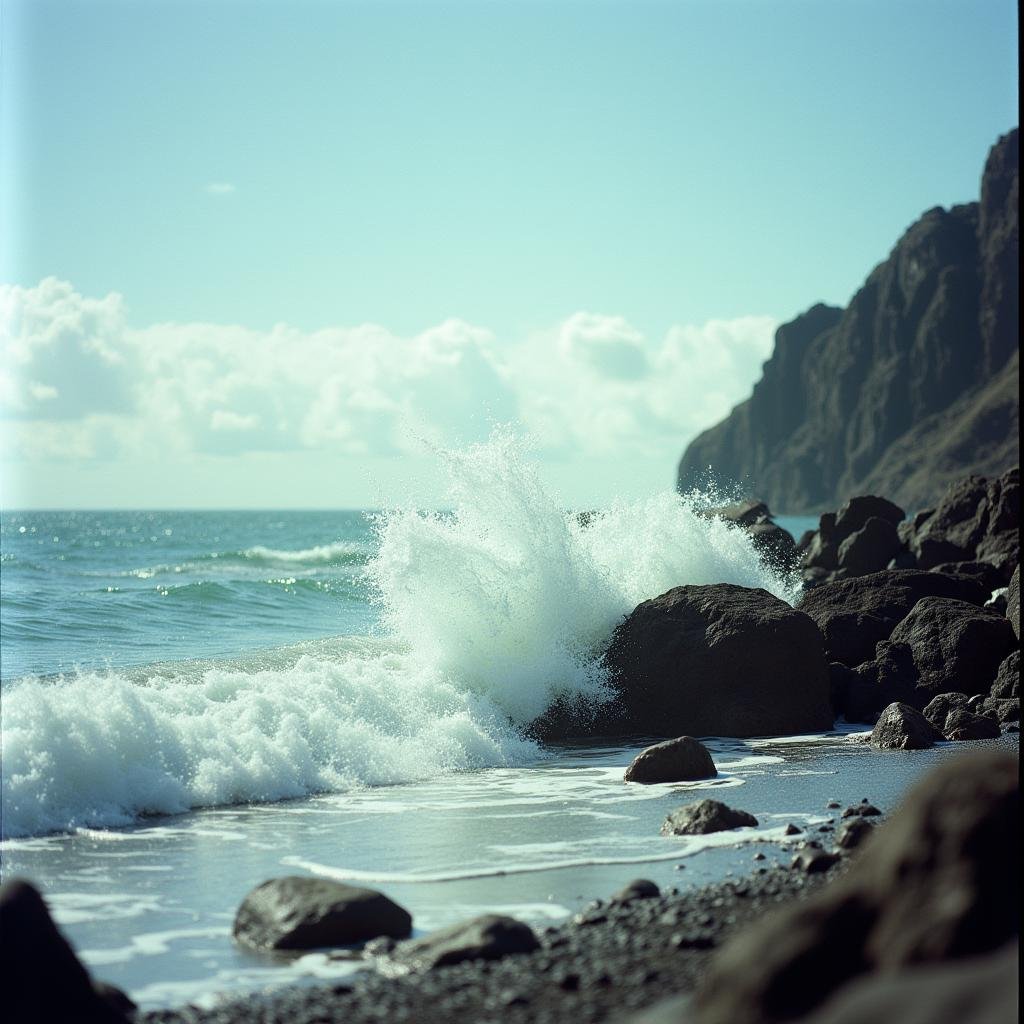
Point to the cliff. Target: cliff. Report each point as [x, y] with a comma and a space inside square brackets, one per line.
[914, 384]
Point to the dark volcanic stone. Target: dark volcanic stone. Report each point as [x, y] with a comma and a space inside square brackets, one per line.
[307, 913]
[812, 861]
[938, 881]
[675, 760]
[43, 979]
[870, 549]
[937, 710]
[488, 937]
[718, 660]
[857, 512]
[1007, 682]
[984, 572]
[1013, 602]
[703, 817]
[638, 889]
[956, 646]
[963, 725]
[854, 615]
[853, 832]
[901, 727]
[956, 527]
[1004, 711]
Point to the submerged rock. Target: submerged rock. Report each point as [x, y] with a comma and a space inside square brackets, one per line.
[703, 817]
[901, 727]
[308, 913]
[678, 760]
[488, 937]
[43, 979]
[718, 660]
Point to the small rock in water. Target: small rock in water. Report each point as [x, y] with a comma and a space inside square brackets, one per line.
[638, 889]
[703, 817]
[307, 913]
[678, 760]
[901, 727]
[793, 830]
[861, 810]
[812, 861]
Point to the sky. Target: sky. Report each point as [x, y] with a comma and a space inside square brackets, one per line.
[274, 254]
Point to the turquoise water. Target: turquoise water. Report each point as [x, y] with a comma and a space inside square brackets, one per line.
[92, 589]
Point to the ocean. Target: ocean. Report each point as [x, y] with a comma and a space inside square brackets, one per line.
[194, 701]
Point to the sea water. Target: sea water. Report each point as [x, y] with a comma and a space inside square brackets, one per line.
[196, 701]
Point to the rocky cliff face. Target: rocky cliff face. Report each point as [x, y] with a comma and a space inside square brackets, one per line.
[916, 383]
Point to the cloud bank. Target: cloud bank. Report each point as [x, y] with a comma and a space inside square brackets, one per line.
[78, 381]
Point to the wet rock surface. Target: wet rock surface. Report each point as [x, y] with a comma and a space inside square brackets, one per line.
[901, 727]
[703, 817]
[488, 937]
[298, 912]
[678, 760]
[719, 660]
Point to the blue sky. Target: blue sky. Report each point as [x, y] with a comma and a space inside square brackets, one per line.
[686, 174]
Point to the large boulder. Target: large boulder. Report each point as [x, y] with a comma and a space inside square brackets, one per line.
[854, 615]
[942, 705]
[937, 882]
[1007, 682]
[956, 646]
[43, 979]
[962, 724]
[718, 660]
[705, 816]
[296, 912]
[488, 937]
[901, 727]
[678, 760]
[858, 511]
[956, 527]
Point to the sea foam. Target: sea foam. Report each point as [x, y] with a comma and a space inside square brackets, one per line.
[491, 611]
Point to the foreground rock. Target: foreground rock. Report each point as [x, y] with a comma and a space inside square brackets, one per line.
[703, 817]
[937, 882]
[43, 979]
[718, 660]
[488, 937]
[901, 727]
[678, 760]
[310, 913]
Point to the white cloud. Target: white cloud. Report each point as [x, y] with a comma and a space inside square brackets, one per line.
[76, 381]
[219, 188]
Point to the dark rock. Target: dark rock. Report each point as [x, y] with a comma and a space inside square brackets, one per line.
[901, 727]
[861, 810]
[812, 861]
[1013, 602]
[296, 912]
[997, 603]
[793, 830]
[963, 725]
[979, 990]
[677, 760]
[869, 549]
[822, 550]
[717, 660]
[1004, 711]
[897, 394]
[703, 817]
[1007, 682]
[853, 832]
[984, 572]
[937, 710]
[774, 542]
[956, 646]
[43, 979]
[857, 512]
[638, 889]
[957, 525]
[854, 615]
[938, 881]
[489, 937]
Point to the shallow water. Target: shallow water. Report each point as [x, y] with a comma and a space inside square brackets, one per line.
[150, 907]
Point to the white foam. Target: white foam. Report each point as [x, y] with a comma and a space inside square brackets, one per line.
[494, 610]
[321, 554]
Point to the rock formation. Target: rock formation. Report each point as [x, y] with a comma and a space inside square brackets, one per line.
[914, 384]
